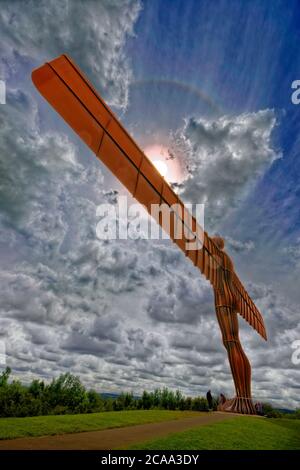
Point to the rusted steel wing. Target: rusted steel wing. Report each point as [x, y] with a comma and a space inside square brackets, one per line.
[71, 94]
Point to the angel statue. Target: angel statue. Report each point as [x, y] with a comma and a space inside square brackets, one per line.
[71, 94]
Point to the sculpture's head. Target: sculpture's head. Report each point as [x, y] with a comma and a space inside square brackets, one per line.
[220, 242]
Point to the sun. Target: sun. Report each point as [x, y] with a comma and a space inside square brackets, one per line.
[161, 166]
[168, 166]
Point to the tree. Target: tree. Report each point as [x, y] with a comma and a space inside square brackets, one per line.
[5, 376]
[188, 403]
[67, 391]
[37, 388]
[146, 401]
[199, 404]
[95, 402]
[269, 411]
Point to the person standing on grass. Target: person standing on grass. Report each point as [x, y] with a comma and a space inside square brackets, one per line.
[209, 399]
[222, 399]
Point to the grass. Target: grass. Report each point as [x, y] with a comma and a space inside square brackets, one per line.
[11, 428]
[241, 433]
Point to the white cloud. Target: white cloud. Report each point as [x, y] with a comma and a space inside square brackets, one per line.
[93, 33]
[240, 246]
[177, 300]
[123, 314]
[224, 156]
[293, 252]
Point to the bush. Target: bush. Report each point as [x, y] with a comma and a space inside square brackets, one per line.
[66, 394]
[199, 404]
[95, 402]
[125, 401]
[188, 403]
[108, 404]
[269, 412]
[67, 391]
[146, 401]
[59, 410]
[296, 415]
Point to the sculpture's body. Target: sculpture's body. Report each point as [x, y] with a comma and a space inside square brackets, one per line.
[74, 98]
[227, 315]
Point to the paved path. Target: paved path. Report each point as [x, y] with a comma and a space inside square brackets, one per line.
[115, 438]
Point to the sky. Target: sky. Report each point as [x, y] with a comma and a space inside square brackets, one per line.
[210, 84]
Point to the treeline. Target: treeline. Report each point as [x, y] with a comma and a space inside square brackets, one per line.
[162, 399]
[270, 412]
[66, 394]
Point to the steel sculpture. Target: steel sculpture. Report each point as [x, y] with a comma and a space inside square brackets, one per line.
[71, 94]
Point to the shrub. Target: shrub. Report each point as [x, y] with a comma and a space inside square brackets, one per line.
[296, 415]
[67, 391]
[270, 412]
[199, 404]
[95, 402]
[66, 394]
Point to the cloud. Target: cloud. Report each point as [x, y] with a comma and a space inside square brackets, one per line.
[239, 246]
[35, 169]
[93, 33]
[178, 300]
[224, 156]
[293, 252]
[128, 314]
[83, 344]
[106, 327]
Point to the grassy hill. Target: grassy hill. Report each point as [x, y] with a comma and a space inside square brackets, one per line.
[11, 428]
[241, 433]
[237, 433]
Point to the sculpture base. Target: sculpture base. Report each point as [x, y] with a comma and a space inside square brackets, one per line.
[238, 405]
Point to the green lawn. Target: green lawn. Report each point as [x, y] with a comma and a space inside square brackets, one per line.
[241, 433]
[11, 428]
